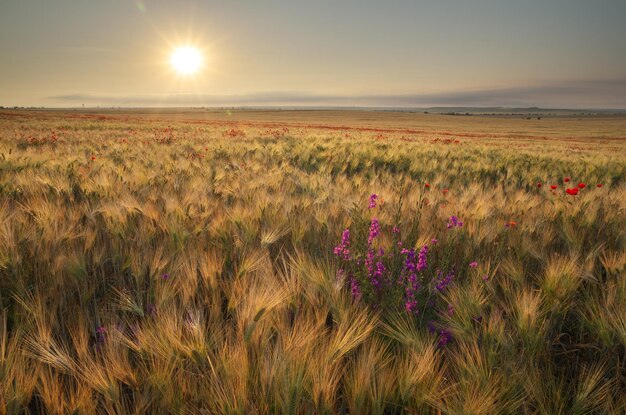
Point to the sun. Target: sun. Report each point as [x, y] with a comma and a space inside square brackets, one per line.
[186, 60]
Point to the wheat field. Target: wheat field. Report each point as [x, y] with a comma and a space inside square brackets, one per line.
[250, 262]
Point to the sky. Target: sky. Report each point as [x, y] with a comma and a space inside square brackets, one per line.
[394, 53]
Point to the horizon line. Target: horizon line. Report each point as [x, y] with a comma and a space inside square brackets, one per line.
[318, 107]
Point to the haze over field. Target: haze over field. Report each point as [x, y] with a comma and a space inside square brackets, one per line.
[566, 54]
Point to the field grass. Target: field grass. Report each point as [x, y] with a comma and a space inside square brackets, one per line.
[186, 262]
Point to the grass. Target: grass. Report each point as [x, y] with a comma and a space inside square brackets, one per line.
[184, 264]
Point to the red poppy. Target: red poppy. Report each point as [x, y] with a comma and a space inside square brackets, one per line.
[581, 185]
[539, 185]
[553, 186]
[572, 192]
[445, 191]
[598, 185]
[567, 179]
[93, 158]
[427, 185]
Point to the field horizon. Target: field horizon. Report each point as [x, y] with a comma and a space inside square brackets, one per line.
[598, 124]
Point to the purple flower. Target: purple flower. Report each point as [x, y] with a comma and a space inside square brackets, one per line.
[411, 267]
[375, 268]
[434, 241]
[372, 203]
[421, 259]
[411, 306]
[443, 282]
[343, 249]
[450, 309]
[374, 231]
[444, 337]
[473, 264]
[355, 290]
[379, 272]
[165, 277]
[396, 229]
[485, 277]
[409, 263]
[454, 221]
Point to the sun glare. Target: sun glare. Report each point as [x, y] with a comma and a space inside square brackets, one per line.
[186, 60]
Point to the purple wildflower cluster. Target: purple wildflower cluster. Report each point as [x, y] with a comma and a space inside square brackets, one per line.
[374, 231]
[443, 281]
[355, 290]
[372, 203]
[421, 259]
[375, 272]
[373, 258]
[413, 266]
[343, 249]
[453, 221]
[393, 273]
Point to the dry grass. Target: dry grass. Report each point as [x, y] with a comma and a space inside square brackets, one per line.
[183, 264]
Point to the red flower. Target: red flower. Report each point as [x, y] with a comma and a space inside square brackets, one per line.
[539, 185]
[599, 185]
[553, 186]
[566, 179]
[445, 191]
[93, 158]
[573, 191]
[427, 185]
[581, 185]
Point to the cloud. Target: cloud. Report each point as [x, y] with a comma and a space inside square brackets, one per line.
[582, 94]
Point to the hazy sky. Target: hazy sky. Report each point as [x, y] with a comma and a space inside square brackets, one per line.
[556, 53]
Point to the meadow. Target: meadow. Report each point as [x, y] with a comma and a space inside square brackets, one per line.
[350, 262]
